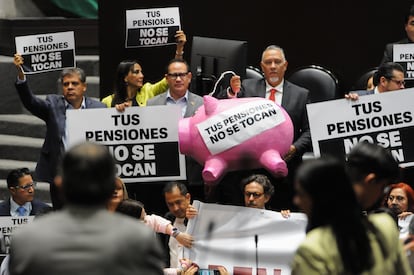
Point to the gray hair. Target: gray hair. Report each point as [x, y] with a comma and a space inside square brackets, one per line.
[274, 47]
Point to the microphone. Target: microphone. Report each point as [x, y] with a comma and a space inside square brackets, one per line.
[256, 240]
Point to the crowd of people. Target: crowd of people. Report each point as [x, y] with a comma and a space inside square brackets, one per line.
[359, 214]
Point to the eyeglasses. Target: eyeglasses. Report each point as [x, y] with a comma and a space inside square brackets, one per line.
[74, 83]
[176, 75]
[398, 82]
[254, 194]
[398, 198]
[27, 186]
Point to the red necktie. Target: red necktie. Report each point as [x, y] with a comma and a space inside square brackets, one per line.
[272, 96]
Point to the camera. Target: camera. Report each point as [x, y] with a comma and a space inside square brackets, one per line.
[208, 272]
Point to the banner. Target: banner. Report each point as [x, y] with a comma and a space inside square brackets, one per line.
[244, 239]
[385, 119]
[404, 55]
[151, 27]
[46, 52]
[143, 141]
[8, 225]
[232, 127]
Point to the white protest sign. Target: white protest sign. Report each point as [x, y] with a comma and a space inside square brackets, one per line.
[404, 55]
[8, 225]
[226, 235]
[385, 119]
[143, 141]
[238, 124]
[151, 27]
[46, 52]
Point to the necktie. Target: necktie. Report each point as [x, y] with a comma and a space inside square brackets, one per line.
[21, 210]
[272, 96]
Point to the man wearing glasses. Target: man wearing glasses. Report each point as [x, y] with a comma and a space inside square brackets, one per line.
[389, 77]
[179, 78]
[257, 191]
[52, 110]
[22, 190]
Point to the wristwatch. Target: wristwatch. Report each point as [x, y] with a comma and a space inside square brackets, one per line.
[175, 232]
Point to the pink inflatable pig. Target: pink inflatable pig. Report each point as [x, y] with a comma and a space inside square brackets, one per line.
[234, 134]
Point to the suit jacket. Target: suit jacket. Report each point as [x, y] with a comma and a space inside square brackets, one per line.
[364, 92]
[193, 168]
[38, 207]
[53, 112]
[294, 101]
[389, 50]
[86, 240]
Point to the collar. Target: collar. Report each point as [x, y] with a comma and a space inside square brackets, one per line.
[171, 99]
[14, 206]
[279, 87]
[69, 106]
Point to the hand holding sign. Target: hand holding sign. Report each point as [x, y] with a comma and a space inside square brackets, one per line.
[18, 61]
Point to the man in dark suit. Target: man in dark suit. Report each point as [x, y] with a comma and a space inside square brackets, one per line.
[179, 77]
[84, 237]
[409, 30]
[22, 190]
[389, 77]
[293, 99]
[53, 112]
[409, 39]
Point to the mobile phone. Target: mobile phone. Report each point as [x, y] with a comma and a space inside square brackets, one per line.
[208, 272]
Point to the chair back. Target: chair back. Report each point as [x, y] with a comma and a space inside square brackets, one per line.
[253, 72]
[321, 83]
[361, 83]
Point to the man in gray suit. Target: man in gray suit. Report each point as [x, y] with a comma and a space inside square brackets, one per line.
[179, 77]
[84, 237]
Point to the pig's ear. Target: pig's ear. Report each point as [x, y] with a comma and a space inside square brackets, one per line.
[210, 104]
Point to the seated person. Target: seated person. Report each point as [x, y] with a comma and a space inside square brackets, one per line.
[22, 190]
[400, 199]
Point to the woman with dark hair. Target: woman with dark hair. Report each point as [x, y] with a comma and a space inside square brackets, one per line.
[340, 240]
[130, 89]
[400, 199]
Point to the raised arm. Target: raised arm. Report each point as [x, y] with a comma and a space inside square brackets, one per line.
[18, 62]
[181, 40]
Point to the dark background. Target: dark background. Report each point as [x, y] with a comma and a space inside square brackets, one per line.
[347, 37]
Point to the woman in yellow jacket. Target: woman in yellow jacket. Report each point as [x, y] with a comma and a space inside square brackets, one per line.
[130, 87]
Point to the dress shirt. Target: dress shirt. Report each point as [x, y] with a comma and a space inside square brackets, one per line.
[13, 208]
[279, 93]
[176, 249]
[182, 102]
[70, 107]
